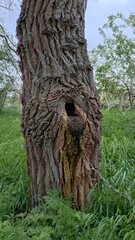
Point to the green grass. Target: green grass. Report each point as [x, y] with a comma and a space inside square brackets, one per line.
[110, 211]
[13, 181]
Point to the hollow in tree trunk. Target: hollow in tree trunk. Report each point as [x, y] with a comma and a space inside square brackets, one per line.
[61, 121]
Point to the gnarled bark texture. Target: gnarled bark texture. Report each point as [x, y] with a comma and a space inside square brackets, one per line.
[61, 117]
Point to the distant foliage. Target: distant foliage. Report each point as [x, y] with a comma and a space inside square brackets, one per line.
[109, 213]
[9, 69]
[114, 61]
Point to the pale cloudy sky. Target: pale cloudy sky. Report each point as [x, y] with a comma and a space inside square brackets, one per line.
[116, 2]
[96, 15]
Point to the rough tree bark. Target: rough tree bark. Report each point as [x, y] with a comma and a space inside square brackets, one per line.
[61, 120]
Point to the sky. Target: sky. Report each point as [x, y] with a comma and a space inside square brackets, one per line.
[96, 15]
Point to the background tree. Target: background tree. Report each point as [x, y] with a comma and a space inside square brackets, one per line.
[9, 70]
[61, 117]
[114, 60]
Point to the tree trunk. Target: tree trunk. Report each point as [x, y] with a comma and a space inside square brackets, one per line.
[3, 95]
[61, 121]
[121, 102]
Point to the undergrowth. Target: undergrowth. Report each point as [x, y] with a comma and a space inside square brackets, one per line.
[110, 211]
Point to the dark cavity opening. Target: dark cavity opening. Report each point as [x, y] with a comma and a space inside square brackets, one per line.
[70, 109]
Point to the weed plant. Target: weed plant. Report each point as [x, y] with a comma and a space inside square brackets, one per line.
[110, 211]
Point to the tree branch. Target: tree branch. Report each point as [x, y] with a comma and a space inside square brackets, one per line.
[108, 184]
[5, 7]
[12, 49]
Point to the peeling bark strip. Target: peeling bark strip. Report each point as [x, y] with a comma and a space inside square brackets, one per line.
[61, 117]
